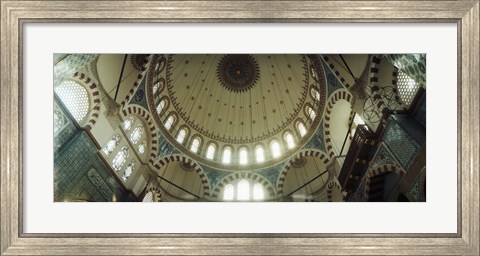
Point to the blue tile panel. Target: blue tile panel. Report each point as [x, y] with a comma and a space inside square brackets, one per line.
[333, 83]
[415, 190]
[382, 157]
[403, 147]
[80, 175]
[139, 97]
[317, 141]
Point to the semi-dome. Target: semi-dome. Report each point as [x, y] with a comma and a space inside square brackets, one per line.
[236, 111]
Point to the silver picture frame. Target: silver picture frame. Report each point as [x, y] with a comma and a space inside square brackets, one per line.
[15, 14]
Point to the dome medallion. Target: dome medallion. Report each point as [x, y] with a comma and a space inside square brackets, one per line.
[238, 72]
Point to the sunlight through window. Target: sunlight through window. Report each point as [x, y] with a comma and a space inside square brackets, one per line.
[227, 155]
[290, 140]
[136, 134]
[260, 154]
[258, 192]
[311, 113]
[75, 98]
[243, 190]
[276, 152]
[169, 122]
[301, 129]
[228, 192]
[243, 156]
[195, 145]
[181, 135]
[210, 151]
[161, 105]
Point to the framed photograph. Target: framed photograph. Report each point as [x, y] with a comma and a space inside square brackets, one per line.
[239, 127]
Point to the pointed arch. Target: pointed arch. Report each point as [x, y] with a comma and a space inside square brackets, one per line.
[379, 171]
[138, 81]
[94, 94]
[302, 153]
[269, 190]
[341, 94]
[183, 158]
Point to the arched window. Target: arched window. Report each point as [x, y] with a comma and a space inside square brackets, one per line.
[156, 86]
[227, 155]
[142, 146]
[210, 151]
[136, 134]
[407, 88]
[128, 123]
[302, 130]
[120, 159]
[259, 154]
[195, 145]
[148, 197]
[181, 135]
[243, 190]
[275, 147]
[258, 192]
[169, 122]
[75, 98]
[310, 112]
[161, 105]
[315, 94]
[243, 154]
[289, 139]
[228, 192]
[128, 171]
[111, 145]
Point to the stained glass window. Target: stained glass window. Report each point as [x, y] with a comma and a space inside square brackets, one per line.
[315, 94]
[275, 147]
[128, 170]
[161, 105]
[136, 134]
[111, 145]
[311, 113]
[195, 145]
[169, 122]
[290, 140]
[142, 146]
[210, 151]
[243, 156]
[120, 159]
[259, 154]
[301, 129]
[181, 135]
[227, 155]
[127, 124]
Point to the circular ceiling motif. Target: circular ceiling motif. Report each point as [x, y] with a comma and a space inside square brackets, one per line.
[238, 72]
[138, 60]
[225, 115]
[253, 105]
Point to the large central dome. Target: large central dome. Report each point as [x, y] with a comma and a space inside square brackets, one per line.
[236, 101]
[209, 95]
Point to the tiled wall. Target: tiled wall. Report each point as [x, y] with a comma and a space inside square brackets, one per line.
[80, 174]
